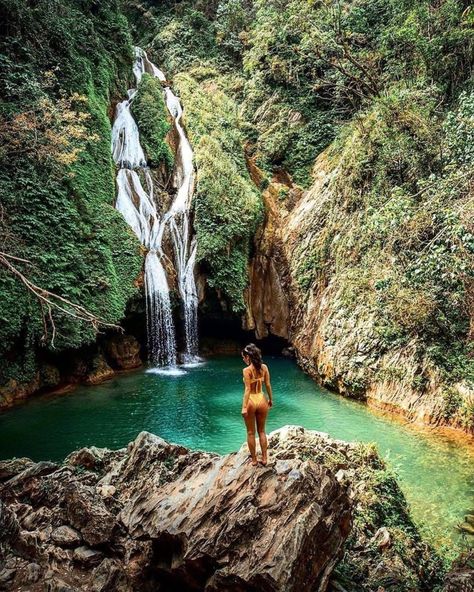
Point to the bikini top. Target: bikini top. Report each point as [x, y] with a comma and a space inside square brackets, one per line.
[258, 379]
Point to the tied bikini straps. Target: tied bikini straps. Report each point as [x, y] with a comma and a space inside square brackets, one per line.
[256, 380]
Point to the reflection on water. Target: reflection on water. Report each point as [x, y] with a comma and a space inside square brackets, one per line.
[200, 408]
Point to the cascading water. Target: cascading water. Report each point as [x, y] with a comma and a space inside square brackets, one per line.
[138, 207]
[178, 220]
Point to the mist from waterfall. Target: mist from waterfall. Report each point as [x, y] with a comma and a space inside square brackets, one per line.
[138, 207]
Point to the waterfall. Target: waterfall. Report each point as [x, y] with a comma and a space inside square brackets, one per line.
[139, 209]
[161, 340]
[178, 218]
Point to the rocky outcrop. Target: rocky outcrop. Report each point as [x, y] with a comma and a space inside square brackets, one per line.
[123, 352]
[157, 516]
[91, 365]
[267, 305]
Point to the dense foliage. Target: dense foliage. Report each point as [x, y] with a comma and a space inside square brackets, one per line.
[383, 88]
[387, 88]
[301, 69]
[151, 115]
[61, 62]
[227, 205]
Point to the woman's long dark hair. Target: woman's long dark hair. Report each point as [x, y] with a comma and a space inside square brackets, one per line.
[254, 354]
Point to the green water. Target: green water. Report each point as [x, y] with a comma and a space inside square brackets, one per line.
[201, 409]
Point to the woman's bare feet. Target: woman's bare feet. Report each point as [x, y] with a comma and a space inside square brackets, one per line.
[264, 461]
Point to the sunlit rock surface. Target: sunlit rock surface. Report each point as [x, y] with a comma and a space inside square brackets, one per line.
[157, 516]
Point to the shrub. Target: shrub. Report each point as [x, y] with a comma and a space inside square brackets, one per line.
[151, 115]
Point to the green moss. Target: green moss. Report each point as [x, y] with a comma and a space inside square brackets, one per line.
[60, 216]
[151, 115]
[227, 204]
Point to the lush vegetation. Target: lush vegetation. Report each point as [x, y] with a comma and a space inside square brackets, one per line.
[385, 90]
[301, 69]
[151, 115]
[227, 204]
[61, 64]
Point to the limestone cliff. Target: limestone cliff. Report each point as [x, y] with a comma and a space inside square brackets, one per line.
[300, 289]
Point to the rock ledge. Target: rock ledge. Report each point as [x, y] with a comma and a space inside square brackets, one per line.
[156, 516]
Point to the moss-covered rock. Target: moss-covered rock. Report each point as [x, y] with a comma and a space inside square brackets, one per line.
[151, 115]
[63, 63]
[226, 203]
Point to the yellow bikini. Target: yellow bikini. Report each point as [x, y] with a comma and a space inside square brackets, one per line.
[258, 398]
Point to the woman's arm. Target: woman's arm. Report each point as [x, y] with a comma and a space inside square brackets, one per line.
[246, 393]
[268, 386]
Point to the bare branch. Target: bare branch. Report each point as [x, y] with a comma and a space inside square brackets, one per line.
[50, 301]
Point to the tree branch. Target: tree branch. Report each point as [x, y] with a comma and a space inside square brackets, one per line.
[50, 301]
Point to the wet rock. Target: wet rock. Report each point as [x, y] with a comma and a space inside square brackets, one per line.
[14, 391]
[267, 305]
[217, 507]
[90, 458]
[100, 372]
[56, 584]
[461, 576]
[9, 525]
[6, 578]
[123, 352]
[36, 519]
[65, 536]
[467, 528]
[382, 538]
[36, 470]
[29, 545]
[106, 490]
[58, 555]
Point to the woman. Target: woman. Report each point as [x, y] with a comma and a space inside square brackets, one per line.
[255, 405]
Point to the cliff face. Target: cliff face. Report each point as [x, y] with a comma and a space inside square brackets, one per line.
[156, 516]
[299, 283]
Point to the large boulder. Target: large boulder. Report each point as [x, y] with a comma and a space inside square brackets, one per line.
[232, 527]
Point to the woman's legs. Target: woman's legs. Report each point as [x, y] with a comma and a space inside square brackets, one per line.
[250, 425]
[261, 416]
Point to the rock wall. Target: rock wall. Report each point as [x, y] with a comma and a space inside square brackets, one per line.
[91, 365]
[338, 347]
